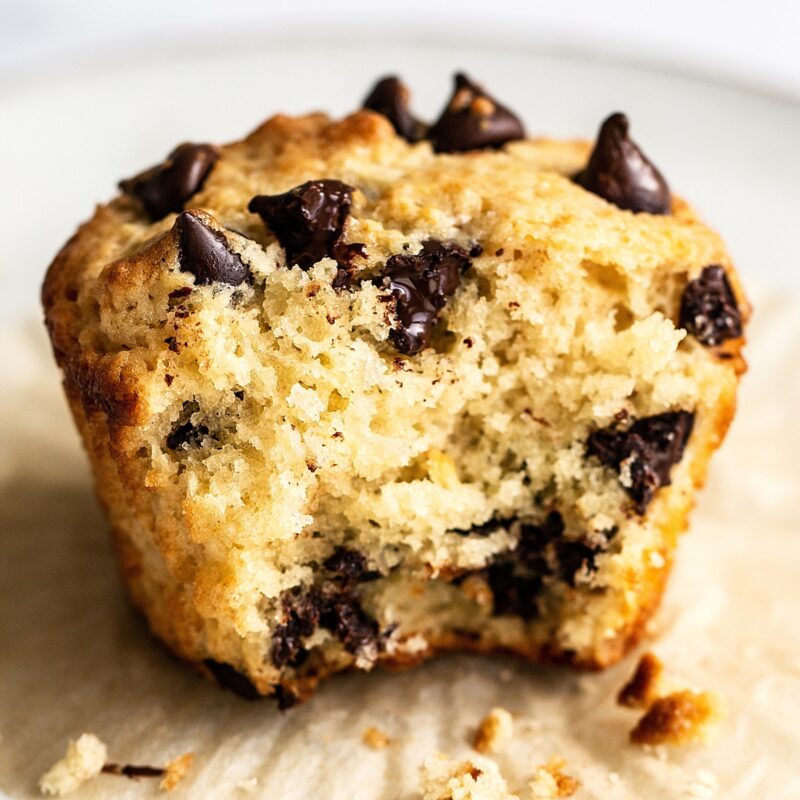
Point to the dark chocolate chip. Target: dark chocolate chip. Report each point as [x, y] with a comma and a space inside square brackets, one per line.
[349, 565]
[473, 120]
[649, 448]
[419, 285]
[204, 252]
[308, 220]
[574, 556]
[230, 678]
[186, 434]
[708, 308]
[517, 578]
[164, 189]
[302, 616]
[333, 608]
[391, 97]
[618, 171]
[133, 771]
[343, 616]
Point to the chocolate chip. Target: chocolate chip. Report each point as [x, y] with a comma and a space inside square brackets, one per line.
[204, 252]
[472, 120]
[517, 578]
[343, 616]
[302, 612]
[348, 565]
[574, 556]
[333, 608]
[708, 308]
[230, 678]
[308, 220]
[185, 434]
[391, 97]
[419, 285]
[164, 189]
[618, 171]
[648, 450]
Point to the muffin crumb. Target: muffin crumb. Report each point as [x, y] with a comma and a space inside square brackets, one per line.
[175, 771]
[550, 781]
[496, 728]
[83, 761]
[376, 738]
[475, 778]
[678, 718]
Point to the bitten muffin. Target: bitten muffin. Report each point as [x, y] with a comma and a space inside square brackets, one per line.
[357, 392]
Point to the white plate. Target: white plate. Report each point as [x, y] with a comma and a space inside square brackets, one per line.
[66, 138]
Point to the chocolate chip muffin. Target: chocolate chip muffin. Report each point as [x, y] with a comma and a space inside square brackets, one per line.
[357, 392]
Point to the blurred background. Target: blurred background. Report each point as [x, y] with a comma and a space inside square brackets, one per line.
[92, 91]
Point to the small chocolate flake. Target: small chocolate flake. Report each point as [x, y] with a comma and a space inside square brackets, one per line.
[468, 341]
[230, 678]
[473, 120]
[499, 251]
[308, 220]
[391, 97]
[172, 343]
[708, 308]
[475, 250]
[618, 171]
[133, 771]
[183, 291]
[168, 379]
[164, 189]
[648, 450]
[419, 285]
[204, 252]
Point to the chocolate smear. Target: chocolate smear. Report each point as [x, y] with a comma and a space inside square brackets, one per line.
[419, 285]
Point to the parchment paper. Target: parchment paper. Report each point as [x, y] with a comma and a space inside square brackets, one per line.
[75, 658]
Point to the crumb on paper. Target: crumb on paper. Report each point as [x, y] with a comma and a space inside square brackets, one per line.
[83, 761]
[703, 787]
[496, 728]
[674, 713]
[678, 718]
[644, 686]
[551, 781]
[376, 738]
[248, 785]
[474, 778]
[175, 771]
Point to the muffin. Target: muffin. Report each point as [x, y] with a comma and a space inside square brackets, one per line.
[358, 392]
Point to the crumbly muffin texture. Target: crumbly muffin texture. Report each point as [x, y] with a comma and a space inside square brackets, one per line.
[354, 399]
